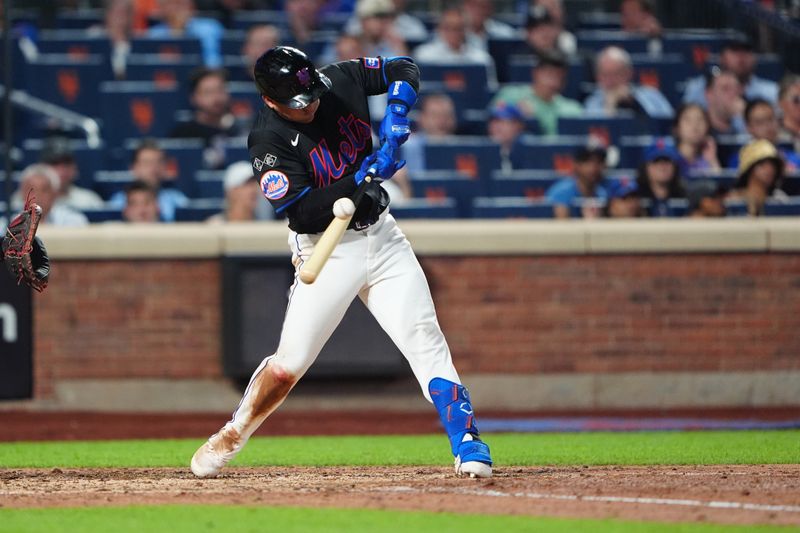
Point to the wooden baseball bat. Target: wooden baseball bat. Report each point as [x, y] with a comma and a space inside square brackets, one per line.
[331, 237]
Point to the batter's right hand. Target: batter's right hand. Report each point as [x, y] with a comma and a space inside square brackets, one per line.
[383, 164]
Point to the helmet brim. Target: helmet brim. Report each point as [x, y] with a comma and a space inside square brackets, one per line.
[319, 87]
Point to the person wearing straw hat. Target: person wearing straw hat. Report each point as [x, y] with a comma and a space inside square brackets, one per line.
[759, 176]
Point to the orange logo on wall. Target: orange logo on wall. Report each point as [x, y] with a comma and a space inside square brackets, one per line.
[563, 163]
[77, 51]
[164, 79]
[649, 78]
[435, 193]
[700, 55]
[454, 80]
[172, 168]
[599, 135]
[467, 164]
[69, 84]
[242, 108]
[142, 114]
[168, 51]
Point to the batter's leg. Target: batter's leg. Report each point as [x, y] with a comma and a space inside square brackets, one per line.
[400, 299]
[312, 315]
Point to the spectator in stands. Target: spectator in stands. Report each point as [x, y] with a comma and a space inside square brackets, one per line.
[588, 187]
[212, 120]
[737, 56]
[789, 102]
[179, 20]
[224, 10]
[759, 176]
[258, 40]
[481, 26]
[149, 166]
[118, 28]
[302, 17]
[42, 182]
[58, 155]
[615, 90]
[697, 148]
[706, 199]
[762, 123]
[451, 45]
[725, 104]
[624, 200]
[409, 27]
[242, 195]
[638, 16]
[141, 204]
[542, 100]
[436, 120]
[376, 30]
[542, 33]
[566, 43]
[506, 125]
[659, 178]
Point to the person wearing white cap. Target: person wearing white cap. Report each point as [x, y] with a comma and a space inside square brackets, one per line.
[242, 196]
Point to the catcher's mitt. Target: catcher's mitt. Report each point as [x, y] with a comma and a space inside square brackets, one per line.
[23, 252]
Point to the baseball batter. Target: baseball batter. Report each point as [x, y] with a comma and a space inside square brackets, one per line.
[311, 145]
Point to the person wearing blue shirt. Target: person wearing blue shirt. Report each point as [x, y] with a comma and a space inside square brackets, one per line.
[616, 92]
[180, 20]
[149, 166]
[585, 194]
[737, 56]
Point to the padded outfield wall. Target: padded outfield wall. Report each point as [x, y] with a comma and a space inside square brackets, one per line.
[539, 315]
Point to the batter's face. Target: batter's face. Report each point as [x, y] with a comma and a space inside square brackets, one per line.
[302, 116]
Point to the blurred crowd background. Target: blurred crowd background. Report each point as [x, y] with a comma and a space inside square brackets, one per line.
[139, 110]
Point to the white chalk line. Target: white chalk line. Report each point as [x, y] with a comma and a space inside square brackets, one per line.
[604, 499]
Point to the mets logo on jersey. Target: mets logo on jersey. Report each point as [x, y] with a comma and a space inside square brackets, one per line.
[274, 184]
[372, 62]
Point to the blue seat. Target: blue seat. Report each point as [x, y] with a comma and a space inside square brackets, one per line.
[210, 184]
[503, 207]
[244, 19]
[611, 127]
[519, 71]
[471, 113]
[89, 160]
[103, 215]
[596, 40]
[501, 51]
[69, 82]
[522, 183]
[138, 109]
[667, 73]
[232, 42]
[554, 153]
[472, 157]
[236, 68]
[425, 208]
[198, 211]
[790, 208]
[164, 72]
[168, 48]
[109, 182]
[78, 19]
[73, 43]
[436, 185]
[245, 100]
[695, 45]
[791, 184]
[473, 80]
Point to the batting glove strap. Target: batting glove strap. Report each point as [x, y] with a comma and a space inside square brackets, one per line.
[455, 411]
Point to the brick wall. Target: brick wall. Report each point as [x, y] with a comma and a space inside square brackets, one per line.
[162, 319]
[128, 319]
[620, 313]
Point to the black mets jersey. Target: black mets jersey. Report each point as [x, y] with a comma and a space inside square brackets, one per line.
[304, 168]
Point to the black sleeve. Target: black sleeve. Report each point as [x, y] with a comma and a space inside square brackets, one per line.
[375, 74]
[315, 212]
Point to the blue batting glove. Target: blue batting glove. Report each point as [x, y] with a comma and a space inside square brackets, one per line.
[394, 129]
[381, 163]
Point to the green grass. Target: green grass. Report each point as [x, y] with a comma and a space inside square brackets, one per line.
[194, 519]
[646, 448]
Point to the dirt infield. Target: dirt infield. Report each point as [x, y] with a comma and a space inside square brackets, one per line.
[720, 494]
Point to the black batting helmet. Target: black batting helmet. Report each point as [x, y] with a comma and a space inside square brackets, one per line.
[287, 76]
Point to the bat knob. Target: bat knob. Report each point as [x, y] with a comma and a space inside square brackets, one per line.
[308, 277]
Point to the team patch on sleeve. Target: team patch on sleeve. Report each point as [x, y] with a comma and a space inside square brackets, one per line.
[372, 62]
[274, 184]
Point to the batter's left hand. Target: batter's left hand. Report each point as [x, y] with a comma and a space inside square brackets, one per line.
[384, 164]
